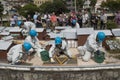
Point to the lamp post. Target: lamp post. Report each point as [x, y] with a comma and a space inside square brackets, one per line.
[75, 6]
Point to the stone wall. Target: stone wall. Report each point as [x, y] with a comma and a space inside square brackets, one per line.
[54, 74]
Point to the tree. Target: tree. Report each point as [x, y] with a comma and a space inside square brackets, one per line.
[1, 11]
[56, 6]
[79, 4]
[46, 7]
[113, 5]
[28, 9]
[92, 4]
[59, 6]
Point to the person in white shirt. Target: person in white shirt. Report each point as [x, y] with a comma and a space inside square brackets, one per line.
[93, 44]
[18, 53]
[35, 17]
[103, 20]
[47, 20]
[85, 19]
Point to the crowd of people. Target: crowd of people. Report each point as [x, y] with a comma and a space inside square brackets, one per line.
[81, 20]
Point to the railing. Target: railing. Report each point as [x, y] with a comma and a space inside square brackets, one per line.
[60, 68]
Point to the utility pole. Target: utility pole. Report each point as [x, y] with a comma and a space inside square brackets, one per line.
[75, 5]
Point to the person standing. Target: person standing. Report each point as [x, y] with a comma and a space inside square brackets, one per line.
[35, 17]
[39, 22]
[15, 18]
[85, 19]
[12, 21]
[79, 18]
[103, 20]
[47, 20]
[117, 18]
[53, 19]
[94, 21]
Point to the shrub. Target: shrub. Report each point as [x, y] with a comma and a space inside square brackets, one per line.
[111, 24]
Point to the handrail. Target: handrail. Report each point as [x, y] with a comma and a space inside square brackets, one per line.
[59, 68]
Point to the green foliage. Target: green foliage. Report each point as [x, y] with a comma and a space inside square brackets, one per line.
[56, 6]
[111, 24]
[1, 9]
[59, 6]
[113, 5]
[28, 9]
[93, 2]
[79, 4]
[103, 4]
[6, 23]
[46, 7]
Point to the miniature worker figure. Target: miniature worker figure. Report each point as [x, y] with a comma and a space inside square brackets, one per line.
[75, 24]
[60, 47]
[27, 26]
[34, 41]
[17, 53]
[93, 44]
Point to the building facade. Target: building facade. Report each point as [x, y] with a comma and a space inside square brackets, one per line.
[39, 2]
[17, 2]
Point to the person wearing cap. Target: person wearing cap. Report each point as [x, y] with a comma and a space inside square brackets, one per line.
[26, 26]
[75, 24]
[93, 44]
[34, 41]
[59, 46]
[17, 53]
